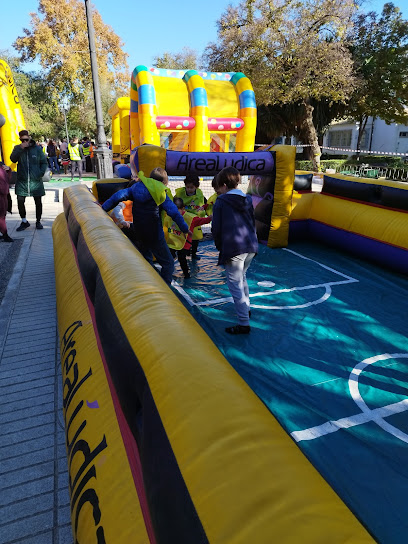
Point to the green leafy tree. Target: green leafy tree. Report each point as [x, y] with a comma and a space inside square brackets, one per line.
[58, 38]
[286, 119]
[33, 94]
[294, 52]
[82, 116]
[379, 46]
[186, 59]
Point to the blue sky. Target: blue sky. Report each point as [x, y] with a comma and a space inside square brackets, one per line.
[148, 28]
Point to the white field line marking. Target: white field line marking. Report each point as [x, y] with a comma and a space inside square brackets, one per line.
[376, 415]
[340, 378]
[352, 421]
[320, 264]
[323, 298]
[275, 292]
[185, 295]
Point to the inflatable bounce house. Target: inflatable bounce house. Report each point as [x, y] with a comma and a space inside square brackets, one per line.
[12, 120]
[177, 434]
[185, 111]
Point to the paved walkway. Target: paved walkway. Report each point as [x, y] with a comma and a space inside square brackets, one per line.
[34, 499]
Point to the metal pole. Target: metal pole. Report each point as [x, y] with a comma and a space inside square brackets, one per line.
[66, 126]
[103, 153]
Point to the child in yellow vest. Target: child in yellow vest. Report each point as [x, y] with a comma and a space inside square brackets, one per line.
[177, 241]
[194, 202]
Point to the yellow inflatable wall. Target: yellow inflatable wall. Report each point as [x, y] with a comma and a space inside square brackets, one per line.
[11, 110]
[366, 217]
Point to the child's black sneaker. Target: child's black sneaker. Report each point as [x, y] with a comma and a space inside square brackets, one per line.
[38, 225]
[23, 226]
[238, 329]
[6, 238]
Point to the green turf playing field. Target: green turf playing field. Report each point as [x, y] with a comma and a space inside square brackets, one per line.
[328, 355]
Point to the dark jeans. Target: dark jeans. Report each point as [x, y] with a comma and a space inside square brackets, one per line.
[182, 259]
[194, 247]
[76, 165]
[22, 208]
[88, 160]
[161, 251]
[54, 164]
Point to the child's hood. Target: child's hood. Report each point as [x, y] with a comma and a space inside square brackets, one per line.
[156, 188]
[239, 202]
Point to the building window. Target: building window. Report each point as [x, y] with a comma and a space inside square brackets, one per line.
[403, 135]
[340, 138]
[364, 140]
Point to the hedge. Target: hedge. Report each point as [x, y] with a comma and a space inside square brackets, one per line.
[332, 163]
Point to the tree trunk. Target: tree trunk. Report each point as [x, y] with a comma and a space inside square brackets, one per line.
[309, 130]
[371, 135]
[361, 128]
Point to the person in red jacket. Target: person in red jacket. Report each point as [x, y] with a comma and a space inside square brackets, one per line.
[5, 177]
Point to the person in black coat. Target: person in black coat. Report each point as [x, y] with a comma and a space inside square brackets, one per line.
[233, 228]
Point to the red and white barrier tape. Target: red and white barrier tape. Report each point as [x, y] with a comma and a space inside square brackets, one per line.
[362, 151]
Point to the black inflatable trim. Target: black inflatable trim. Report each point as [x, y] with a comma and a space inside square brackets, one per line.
[106, 190]
[381, 195]
[303, 182]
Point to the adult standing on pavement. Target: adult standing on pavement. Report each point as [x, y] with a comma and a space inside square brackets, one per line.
[31, 166]
[87, 148]
[63, 147]
[52, 156]
[76, 155]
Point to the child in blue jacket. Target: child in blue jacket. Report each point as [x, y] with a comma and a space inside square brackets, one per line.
[148, 194]
[233, 228]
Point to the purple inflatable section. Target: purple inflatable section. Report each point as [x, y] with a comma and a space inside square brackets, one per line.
[386, 255]
[179, 163]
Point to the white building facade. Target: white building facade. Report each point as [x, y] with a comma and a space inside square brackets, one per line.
[378, 138]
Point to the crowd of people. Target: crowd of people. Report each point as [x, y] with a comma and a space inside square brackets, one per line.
[32, 159]
[163, 227]
[74, 157]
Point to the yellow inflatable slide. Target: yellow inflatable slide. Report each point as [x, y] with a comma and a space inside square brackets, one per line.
[12, 120]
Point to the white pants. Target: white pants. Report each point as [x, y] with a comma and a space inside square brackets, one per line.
[235, 270]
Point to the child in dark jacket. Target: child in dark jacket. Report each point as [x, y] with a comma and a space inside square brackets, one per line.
[233, 228]
[147, 195]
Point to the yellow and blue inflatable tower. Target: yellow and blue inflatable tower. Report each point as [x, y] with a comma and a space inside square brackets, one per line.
[185, 110]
